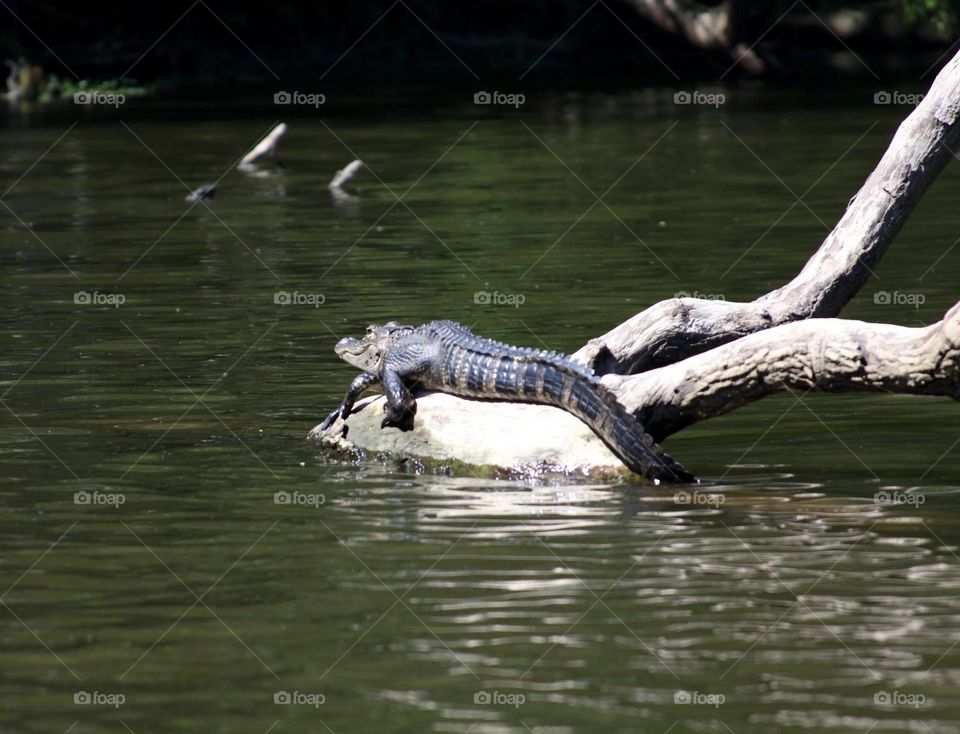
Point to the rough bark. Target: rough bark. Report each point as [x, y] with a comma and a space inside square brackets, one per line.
[677, 328]
[712, 29]
[821, 355]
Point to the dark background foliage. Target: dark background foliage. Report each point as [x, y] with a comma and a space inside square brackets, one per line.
[202, 42]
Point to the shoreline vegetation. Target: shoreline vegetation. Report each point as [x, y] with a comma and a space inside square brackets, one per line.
[53, 53]
[27, 82]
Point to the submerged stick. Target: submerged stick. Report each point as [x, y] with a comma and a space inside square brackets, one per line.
[345, 174]
[267, 146]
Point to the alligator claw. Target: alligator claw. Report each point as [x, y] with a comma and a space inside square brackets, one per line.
[402, 425]
[402, 420]
[330, 419]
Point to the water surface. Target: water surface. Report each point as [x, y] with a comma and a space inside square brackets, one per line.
[800, 603]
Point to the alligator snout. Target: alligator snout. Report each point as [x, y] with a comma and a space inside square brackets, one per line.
[347, 344]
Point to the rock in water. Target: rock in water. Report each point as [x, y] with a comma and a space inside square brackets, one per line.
[488, 438]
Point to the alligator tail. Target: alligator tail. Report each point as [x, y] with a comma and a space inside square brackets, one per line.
[623, 434]
[488, 369]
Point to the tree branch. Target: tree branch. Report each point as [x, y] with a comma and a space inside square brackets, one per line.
[824, 355]
[678, 328]
[713, 29]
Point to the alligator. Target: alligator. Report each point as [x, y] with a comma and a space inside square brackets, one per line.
[448, 357]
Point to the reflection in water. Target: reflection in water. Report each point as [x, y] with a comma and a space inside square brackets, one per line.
[748, 600]
[345, 203]
[809, 576]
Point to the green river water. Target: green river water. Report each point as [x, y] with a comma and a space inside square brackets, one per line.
[183, 596]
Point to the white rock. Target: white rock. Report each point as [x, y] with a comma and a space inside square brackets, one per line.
[503, 439]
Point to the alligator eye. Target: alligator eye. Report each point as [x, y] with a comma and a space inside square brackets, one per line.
[370, 329]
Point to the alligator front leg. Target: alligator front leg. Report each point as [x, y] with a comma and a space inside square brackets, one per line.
[362, 382]
[404, 365]
[401, 406]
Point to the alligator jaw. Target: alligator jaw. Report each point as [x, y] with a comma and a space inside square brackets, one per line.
[364, 354]
[349, 345]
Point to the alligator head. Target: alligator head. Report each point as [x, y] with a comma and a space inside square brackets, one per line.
[367, 354]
